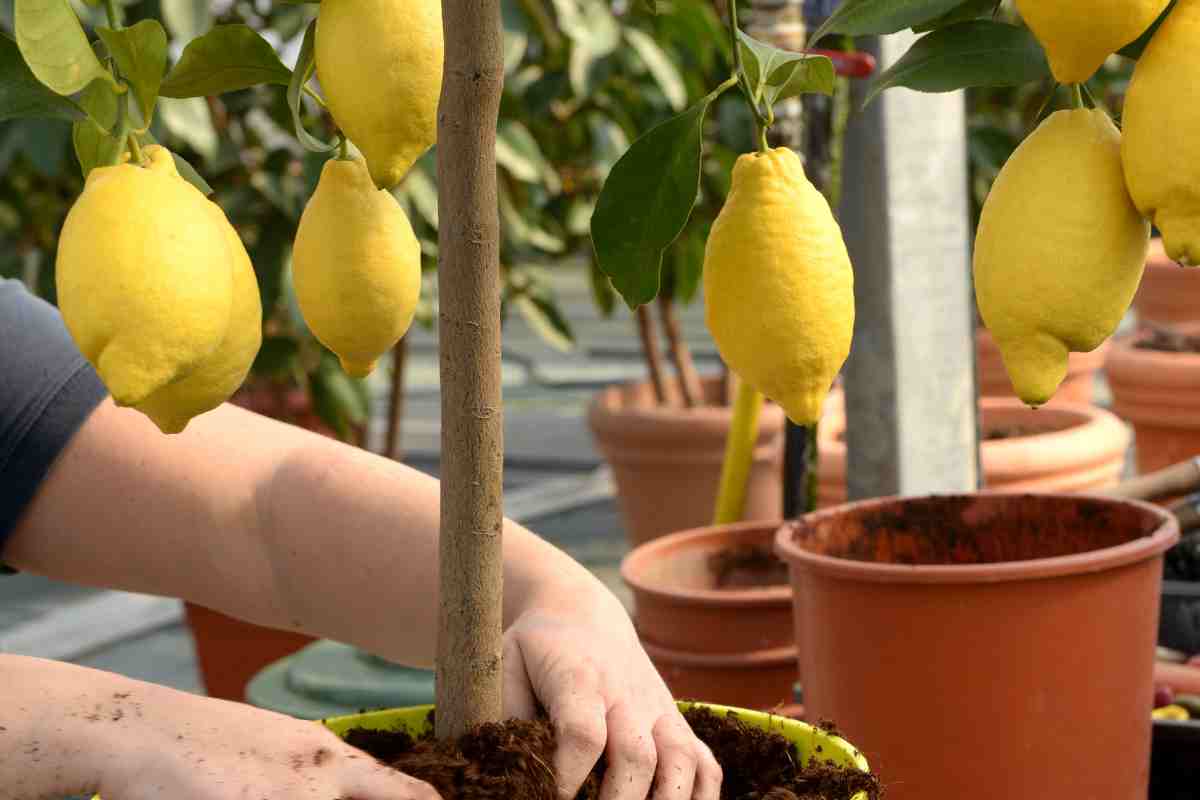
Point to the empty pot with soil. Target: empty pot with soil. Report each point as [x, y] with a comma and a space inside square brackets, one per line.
[763, 757]
[666, 460]
[714, 612]
[1062, 447]
[1155, 381]
[1017, 632]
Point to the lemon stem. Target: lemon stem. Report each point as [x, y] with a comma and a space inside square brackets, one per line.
[113, 13]
[761, 121]
[739, 454]
[135, 149]
[343, 149]
[1076, 96]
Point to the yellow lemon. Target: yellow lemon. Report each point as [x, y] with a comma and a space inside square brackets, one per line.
[1078, 35]
[1161, 147]
[1059, 251]
[379, 63]
[778, 286]
[356, 266]
[144, 277]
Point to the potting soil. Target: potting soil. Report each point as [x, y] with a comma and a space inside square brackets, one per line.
[512, 760]
[747, 566]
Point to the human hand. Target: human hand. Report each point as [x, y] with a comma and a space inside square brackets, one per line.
[154, 743]
[581, 659]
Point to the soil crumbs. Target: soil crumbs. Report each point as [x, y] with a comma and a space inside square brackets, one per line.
[512, 760]
[747, 566]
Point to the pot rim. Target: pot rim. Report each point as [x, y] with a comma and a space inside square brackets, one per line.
[784, 654]
[1141, 549]
[1124, 349]
[735, 598]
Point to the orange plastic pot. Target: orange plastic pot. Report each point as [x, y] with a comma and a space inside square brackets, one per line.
[1015, 631]
[1159, 393]
[1078, 387]
[1168, 293]
[666, 460]
[1060, 448]
[735, 645]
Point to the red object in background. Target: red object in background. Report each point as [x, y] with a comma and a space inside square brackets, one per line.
[848, 65]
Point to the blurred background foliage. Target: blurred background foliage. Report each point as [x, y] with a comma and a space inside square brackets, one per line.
[583, 79]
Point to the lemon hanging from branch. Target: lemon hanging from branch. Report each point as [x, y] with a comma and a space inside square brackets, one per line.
[1059, 251]
[1078, 35]
[1161, 148]
[379, 63]
[778, 285]
[356, 266]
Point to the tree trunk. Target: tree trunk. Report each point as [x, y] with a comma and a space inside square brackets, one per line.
[472, 458]
[652, 354]
[681, 356]
[392, 447]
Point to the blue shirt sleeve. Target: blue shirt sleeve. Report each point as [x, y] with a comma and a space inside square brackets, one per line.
[47, 390]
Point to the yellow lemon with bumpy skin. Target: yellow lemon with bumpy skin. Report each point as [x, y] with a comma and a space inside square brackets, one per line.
[1161, 128]
[778, 286]
[356, 266]
[219, 375]
[1078, 35]
[144, 276]
[379, 63]
[1059, 251]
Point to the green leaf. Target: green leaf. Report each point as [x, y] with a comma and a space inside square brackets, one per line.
[863, 17]
[306, 64]
[94, 147]
[516, 34]
[646, 202]
[54, 46]
[518, 152]
[590, 24]
[967, 10]
[189, 174]
[421, 191]
[660, 66]
[23, 96]
[141, 55]
[804, 74]
[1135, 49]
[227, 58]
[187, 19]
[603, 293]
[978, 53]
[775, 74]
[519, 231]
[546, 321]
[190, 119]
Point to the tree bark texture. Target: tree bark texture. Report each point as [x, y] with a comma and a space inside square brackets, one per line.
[652, 353]
[472, 458]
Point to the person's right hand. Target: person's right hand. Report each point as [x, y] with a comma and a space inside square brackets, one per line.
[153, 743]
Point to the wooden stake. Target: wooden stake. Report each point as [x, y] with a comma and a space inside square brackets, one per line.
[392, 448]
[652, 354]
[472, 459]
[689, 380]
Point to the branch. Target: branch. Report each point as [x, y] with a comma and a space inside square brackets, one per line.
[652, 354]
[689, 380]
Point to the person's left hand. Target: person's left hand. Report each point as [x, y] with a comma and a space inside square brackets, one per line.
[603, 695]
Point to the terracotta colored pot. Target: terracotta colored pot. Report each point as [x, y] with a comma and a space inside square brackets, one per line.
[735, 645]
[283, 402]
[1169, 293]
[1016, 631]
[993, 380]
[1067, 448]
[231, 652]
[1159, 393]
[667, 460]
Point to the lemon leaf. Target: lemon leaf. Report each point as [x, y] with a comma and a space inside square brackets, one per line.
[306, 65]
[55, 47]
[660, 66]
[977, 53]
[546, 321]
[94, 147]
[23, 96]
[227, 58]
[187, 19]
[967, 10]
[141, 55]
[873, 17]
[646, 202]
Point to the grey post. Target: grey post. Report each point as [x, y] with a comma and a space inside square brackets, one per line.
[910, 380]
